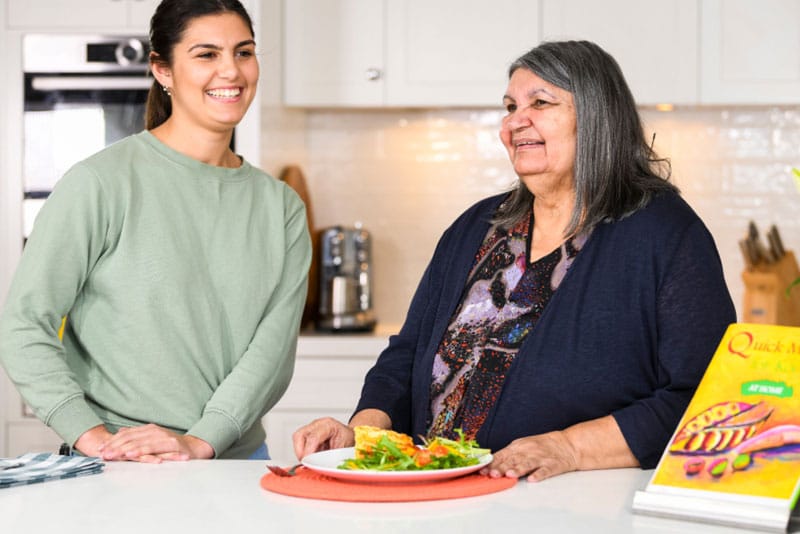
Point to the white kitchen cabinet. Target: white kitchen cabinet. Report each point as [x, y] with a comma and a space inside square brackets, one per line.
[654, 42]
[81, 15]
[455, 53]
[406, 53]
[141, 11]
[750, 52]
[333, 52]
[328, 376]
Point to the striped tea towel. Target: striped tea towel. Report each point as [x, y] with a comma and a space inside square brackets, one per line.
[40, 467]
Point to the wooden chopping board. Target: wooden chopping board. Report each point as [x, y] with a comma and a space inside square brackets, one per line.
[294, 178]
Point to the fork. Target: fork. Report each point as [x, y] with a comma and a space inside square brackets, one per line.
[281, 472]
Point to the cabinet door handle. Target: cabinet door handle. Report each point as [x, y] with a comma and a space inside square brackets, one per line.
[373, 74]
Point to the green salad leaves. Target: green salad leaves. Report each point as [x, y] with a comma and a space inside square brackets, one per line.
[439, 453]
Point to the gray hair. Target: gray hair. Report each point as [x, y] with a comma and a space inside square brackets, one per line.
[616, 170]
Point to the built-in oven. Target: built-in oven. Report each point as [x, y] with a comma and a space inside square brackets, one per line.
[82, 93]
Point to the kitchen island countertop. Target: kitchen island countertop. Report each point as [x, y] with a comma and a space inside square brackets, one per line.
[313, 343]
[214, 496]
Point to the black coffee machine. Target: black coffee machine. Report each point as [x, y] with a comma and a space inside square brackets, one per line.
[345, 280]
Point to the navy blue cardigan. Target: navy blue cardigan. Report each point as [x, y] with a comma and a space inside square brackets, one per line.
[629, 332]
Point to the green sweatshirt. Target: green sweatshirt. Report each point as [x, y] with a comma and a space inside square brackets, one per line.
[183, 285]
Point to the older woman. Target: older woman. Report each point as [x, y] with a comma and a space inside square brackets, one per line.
[564, 325]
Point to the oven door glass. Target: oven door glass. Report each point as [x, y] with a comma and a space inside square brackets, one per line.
[67, 119]
[64, 123]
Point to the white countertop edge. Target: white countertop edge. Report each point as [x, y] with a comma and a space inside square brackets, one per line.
[367, 345]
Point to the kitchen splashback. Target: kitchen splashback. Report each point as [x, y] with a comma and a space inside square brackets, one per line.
[407, 174]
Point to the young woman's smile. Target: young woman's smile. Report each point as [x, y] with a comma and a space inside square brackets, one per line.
[214, 73]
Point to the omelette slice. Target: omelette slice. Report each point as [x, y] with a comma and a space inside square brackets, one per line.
[367, 437]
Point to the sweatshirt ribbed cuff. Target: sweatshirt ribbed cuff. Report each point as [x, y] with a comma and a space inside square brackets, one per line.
[72, 419]
[216, 429]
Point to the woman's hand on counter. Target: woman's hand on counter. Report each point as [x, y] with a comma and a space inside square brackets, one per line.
[153, 444]
[595, 444]
[539, 457]
[328, 433]
[321, 435]
[91, 442]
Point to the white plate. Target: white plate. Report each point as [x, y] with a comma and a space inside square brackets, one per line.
[326, 462]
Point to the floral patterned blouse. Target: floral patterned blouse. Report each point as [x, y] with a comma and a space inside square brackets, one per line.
[503, 298]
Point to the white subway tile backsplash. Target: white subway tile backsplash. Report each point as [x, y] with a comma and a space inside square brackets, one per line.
[406, 174]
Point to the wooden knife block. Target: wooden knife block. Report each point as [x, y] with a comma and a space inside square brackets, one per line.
[765, 299]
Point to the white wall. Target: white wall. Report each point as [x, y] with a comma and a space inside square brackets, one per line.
[407, 174]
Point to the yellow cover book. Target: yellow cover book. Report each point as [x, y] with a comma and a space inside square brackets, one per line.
[735, 456]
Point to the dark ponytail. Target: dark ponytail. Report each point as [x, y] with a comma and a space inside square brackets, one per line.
[166, 30]
[158, 107]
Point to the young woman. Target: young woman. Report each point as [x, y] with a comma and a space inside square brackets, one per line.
[180, 267]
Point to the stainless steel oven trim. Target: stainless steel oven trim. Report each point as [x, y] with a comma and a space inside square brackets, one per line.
[82, 83]
[66, 53]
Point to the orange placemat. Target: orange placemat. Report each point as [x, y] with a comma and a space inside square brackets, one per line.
[311, 485]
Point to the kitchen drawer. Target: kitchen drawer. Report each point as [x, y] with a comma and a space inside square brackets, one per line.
[325, 384]
[345, 345]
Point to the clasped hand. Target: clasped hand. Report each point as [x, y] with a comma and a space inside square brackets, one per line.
[147, 444]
